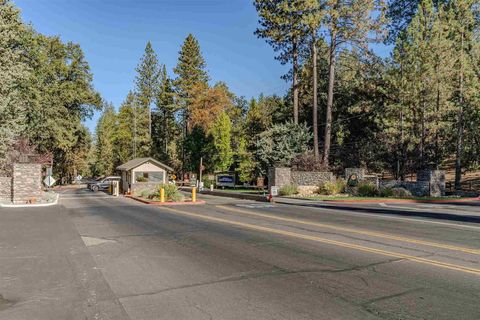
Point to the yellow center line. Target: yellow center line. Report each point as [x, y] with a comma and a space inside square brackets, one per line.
[357, 231]
[328, 241]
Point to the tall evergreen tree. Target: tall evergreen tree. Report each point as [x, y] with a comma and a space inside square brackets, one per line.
[421, 84]
[190, 70]
[165, 130]
[191, 74]
[282, 25]
[400, 13]
[351, 23]
[105, 141]
[124, 133]
[465, 32]
[146, 86]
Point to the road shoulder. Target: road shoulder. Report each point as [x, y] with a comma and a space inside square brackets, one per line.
[47, 271]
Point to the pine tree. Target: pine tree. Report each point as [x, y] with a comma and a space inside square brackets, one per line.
[421, 86]
[190, 70]
[146, 86]
[191, 74]
[222, 139]
[465, 24]
[124, 143]
[400, 13]
[14, 72]
[282, 25]
[349, 23]
[165, 130]
[105, 141]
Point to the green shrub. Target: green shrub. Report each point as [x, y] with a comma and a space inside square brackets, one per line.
[385, 192]
[177, 197]
[401, 193]
[171, 192]
[145, 193]
[332, 187]
[288, 190]
[367, 189]
[207, 182]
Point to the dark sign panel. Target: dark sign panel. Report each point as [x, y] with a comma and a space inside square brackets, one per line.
[225, 180]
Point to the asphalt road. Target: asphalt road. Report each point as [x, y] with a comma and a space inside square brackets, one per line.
[100, 257]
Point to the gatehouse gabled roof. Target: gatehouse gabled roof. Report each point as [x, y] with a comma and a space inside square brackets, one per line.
[132, 164]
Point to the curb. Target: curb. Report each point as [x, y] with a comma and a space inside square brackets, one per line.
[31, 205]
[403, 201]
[158, 203]
[387, 200]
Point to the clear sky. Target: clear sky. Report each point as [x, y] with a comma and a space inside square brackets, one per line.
[113, 35]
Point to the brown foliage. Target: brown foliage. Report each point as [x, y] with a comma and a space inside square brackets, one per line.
[207, 104]
[307, 162]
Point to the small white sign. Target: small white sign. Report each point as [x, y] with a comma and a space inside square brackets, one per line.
[49, 181]
[274, 191]
[79, 177]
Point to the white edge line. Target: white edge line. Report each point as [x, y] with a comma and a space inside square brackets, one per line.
[31, 205]
[461, 226]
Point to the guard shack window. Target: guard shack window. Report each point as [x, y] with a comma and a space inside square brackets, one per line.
[149, 176]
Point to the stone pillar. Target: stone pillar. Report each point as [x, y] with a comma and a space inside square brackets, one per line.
[5, 189]
[435, 180]
[26, 182]
[279, 177]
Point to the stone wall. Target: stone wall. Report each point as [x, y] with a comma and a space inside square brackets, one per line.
[435, 179]
[27, 182]
[430, 183]
[308, 181]
[279, 177]
[5, 189]
[311, 178]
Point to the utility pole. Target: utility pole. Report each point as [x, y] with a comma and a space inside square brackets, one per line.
[200, 175]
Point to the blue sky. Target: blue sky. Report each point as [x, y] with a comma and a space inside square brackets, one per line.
[113, 35]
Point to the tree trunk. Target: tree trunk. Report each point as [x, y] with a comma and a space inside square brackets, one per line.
[460, 126]
[315, 106]
[295, 81]
[331, 83]
[149, 123]
[165, 128]
[403, 151]
[422, 136]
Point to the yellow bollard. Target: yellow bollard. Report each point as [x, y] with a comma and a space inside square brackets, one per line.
[162, 195]
[194, 194]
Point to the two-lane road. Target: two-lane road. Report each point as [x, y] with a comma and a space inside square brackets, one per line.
[233, 259]
[242, 260]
